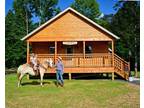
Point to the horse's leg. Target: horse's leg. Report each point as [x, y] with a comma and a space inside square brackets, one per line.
[19, 80]
[41, 78]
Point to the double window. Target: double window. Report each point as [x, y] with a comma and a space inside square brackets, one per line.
[88, 49]
[52, 49]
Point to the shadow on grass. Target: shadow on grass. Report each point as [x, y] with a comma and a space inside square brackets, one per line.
[34, 83]
[80, 76]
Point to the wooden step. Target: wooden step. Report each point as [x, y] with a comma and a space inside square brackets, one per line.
[122, 67]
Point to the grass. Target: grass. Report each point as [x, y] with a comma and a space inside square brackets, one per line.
[133, 74]
[75, 94]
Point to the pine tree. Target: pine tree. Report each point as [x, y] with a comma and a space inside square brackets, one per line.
[126, 24]
[89, 8]
[45, 9]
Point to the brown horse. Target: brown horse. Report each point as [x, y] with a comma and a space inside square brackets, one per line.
[27, 69]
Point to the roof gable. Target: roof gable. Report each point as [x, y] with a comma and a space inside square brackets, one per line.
[64, 23]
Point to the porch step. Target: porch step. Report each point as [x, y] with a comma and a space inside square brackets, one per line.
[121, 67]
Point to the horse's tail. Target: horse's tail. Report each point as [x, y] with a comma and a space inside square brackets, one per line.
[18, 74]
[19, 71]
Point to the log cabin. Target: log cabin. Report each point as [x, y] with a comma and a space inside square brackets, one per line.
[82, 44]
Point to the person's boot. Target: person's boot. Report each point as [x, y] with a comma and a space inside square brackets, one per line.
[62, 84]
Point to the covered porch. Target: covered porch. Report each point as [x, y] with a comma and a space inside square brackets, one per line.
[79, 59]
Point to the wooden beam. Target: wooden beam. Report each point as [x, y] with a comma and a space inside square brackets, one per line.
[113, 53]
[69, 76]
[112, 75]
[28, 52]
[28, 59]
[55, 51]
[84, 49]
[113, 58]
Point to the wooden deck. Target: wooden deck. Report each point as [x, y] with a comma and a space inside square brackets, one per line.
[78, 60]
[91, 63]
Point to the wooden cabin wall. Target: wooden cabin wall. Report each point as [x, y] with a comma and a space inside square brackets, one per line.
[98, 47]
[44, 47]
[60, 48]
[78, 48]
[41, 47]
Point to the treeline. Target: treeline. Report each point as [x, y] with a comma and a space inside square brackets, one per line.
[26, 15]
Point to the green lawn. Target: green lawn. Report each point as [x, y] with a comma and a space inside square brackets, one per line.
[75, 94]
[133, 73]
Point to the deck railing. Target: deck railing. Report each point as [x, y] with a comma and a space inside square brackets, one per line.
[94, 60]
[121, 66]
[78, 60]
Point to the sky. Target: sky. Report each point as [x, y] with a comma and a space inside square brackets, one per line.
[106, 6]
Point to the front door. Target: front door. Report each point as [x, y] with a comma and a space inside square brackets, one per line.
[69, 50]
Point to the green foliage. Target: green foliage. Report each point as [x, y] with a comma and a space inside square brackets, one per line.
[45, 9]
[89, 8]
[126, 24]
[19, 24]
[15, 49]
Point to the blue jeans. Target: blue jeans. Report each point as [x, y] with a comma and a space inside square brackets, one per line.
[59, 76]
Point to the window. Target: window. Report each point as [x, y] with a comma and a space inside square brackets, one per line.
[52, 50]
[88, 49]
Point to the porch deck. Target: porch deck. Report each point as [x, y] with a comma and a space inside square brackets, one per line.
[90, 63]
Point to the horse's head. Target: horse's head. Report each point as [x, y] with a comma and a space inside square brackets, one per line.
[50, 62]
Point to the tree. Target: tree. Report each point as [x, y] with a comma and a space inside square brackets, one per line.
[23, 11]
[45, 9]
[89, 8]
[126, 24]
[18, 24]
[14, 47]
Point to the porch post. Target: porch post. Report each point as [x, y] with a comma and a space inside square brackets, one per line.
[69, 76]
[84, 49]
[113, 53]
[112, 75]
[55, 50]
[27, 51]
[113, 59]
[28, 56]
